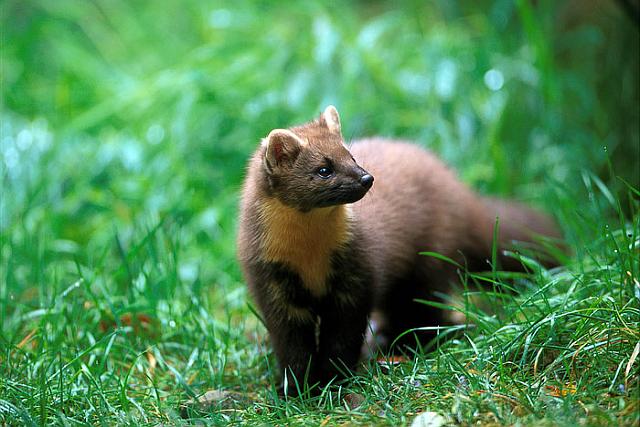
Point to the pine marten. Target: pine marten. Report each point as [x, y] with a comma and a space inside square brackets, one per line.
[322, 247]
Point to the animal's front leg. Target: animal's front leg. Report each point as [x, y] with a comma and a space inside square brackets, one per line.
[294, 342]
[341, 336]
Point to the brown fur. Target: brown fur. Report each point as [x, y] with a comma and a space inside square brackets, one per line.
[321, 253]
[418, 204]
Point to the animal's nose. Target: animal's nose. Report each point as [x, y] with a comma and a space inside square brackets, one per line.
[366, 180]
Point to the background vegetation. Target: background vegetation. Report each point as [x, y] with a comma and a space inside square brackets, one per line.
[124, 132]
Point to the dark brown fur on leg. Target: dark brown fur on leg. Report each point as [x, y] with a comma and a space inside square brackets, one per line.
[401, 308]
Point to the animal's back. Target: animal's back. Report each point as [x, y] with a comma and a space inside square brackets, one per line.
[417, 204]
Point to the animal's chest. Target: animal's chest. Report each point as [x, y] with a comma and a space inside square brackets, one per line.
[306, 243]
[308, 255]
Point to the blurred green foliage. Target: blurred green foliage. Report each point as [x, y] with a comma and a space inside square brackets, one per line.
[115, 112]
[125, 127]
[181, 91]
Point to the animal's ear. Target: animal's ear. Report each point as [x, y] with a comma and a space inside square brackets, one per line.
[283, 146]
[331, 119]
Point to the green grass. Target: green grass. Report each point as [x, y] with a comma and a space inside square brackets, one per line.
[124, 132]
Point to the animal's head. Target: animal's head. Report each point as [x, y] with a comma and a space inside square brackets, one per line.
[310, 167]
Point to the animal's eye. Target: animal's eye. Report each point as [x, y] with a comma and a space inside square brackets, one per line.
[325, 172]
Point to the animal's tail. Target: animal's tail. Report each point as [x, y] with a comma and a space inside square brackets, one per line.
[520, 229]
